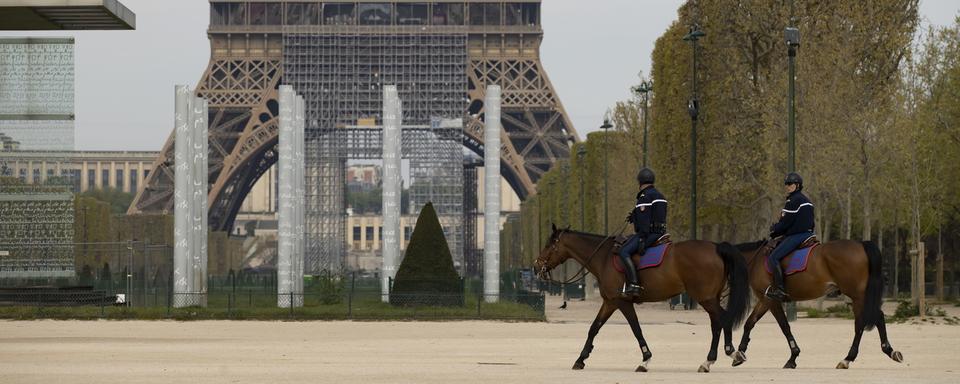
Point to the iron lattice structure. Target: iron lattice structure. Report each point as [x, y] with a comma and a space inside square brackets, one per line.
[440, 54]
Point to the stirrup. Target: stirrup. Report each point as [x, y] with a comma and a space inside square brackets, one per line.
[775, 293]
[632, 290]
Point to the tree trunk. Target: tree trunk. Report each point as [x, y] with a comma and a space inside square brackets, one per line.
[867, 227]
[896, 254]
[848, 213]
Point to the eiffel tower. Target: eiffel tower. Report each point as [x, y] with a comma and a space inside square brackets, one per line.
[338, 54]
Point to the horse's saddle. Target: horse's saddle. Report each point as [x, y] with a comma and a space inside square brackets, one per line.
[652, 257]
[796, 261]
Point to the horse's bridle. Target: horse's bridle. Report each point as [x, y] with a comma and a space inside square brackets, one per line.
[555, 247]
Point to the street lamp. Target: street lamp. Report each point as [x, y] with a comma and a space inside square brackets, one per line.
[693, 108]
[644, 88]
[606, 182]
[792, 35]
[581, 154]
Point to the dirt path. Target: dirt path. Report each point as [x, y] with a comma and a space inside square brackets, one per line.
[470, 352]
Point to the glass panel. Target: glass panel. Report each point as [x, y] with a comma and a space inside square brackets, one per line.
[375, 14]
[105, 178]
[238, 14]
[531, 14]
[133, 181]
[491, 14]
[412, 14]
[274, 14]
[448, 14]
[513, 14]
[294, 14]
[219, 13]
[91, 179]
[312, 14]
[338, 14]
[476, 14]
[119, 179]
[258, 13]
[369, 233]
[356, 233]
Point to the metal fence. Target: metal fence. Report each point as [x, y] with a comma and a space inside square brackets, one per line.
[254, 296]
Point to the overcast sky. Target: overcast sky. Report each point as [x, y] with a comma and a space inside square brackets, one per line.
[125, 79]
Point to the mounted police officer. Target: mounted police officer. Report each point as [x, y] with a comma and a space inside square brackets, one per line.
[649, 218]
[795, 225]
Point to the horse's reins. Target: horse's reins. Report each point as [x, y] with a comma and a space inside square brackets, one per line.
[577, 276]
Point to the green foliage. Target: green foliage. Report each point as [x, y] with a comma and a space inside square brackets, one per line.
[117, 199]
[427, 276]
[328, 288]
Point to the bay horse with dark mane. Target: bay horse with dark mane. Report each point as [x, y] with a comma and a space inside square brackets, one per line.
[702, 269]
[842, 266]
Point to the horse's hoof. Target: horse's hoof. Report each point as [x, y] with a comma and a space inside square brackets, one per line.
[578, 366]
[705, 367]
[739, 358]
[641, 368]
[790, 365]
[843, 365]
[897, 356]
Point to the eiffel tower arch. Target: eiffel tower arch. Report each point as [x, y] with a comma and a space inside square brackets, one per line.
[440, 54]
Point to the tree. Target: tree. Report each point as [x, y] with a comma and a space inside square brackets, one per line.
[426, 275]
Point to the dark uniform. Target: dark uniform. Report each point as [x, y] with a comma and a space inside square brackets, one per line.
[649, 218]
[795, 225]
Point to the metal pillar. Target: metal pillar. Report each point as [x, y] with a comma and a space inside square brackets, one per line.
[291, 234]
[190, 200]
[391, 187]
[491, 210]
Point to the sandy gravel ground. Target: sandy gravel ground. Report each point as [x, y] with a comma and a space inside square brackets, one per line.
[456, 352]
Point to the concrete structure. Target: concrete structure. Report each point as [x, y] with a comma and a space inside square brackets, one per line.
[491, 211]
[190, 214]
[24, 15]
[392, 116]
[291, 229]
[339, 55]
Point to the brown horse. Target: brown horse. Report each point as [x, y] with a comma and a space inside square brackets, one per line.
[700, 268]
[843, 266]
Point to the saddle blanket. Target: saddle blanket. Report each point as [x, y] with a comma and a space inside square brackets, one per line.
[795, 262]
[653, 257]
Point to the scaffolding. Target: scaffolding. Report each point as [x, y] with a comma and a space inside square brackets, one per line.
[341, 76]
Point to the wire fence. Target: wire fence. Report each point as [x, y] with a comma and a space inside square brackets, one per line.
[139, 292]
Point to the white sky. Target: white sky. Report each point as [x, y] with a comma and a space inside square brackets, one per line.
[125, 79]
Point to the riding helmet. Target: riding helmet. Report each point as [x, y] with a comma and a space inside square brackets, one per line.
[646, 176]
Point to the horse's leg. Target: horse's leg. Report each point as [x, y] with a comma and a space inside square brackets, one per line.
[776, 309]
[857, 334]
[885, 343]
[758, 311]
[606, 309]
[630, 313]
[716, 325]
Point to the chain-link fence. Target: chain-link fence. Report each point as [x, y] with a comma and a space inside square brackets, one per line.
[133, 280]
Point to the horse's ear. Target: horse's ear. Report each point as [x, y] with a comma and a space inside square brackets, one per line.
[567, 228]
[554, 226]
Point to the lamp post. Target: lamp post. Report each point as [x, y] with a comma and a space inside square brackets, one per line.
[644, 89]
[581, 154]
[693, 108]
[792, 37]
[606, 182]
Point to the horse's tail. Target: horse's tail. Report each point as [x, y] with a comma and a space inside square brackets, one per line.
[736, 267]
[873, 297]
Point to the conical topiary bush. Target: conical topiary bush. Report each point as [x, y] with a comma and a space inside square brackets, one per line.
[426, 275]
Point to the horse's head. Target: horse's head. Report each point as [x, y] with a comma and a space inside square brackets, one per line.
[552, 254]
